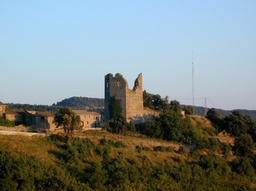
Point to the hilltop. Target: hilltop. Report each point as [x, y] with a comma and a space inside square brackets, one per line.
[82, 103]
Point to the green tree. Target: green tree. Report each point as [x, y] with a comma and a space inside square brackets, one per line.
[118, 124]
[244, 146]
[189, 110]
[154, 101]
[226, 149]
[158, 102]
[212, 114]
[236, 124]
[153, 129]
[147, 99]
[171, 126]
[243, 166]
[67, 118]
[131, 127]
[175, 105]
[252, 127]
[216, 120]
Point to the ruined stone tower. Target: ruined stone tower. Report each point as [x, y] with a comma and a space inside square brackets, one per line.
[131, 100]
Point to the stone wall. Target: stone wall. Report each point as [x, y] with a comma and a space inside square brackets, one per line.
[134, 99]
[89, 119]
[2, 109]
[115, 86]
[131, 99]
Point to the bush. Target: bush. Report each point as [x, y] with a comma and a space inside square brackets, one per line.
[243, 167]
[196, 154]
[138, 148]
[6, 122]
[244, 146]
[163, 149]
[160, 148]
[183, 150]
[208, 143]
[58, 138]
[226, 150]
[146, 149]
[119, 144]
[98, 150]
[169, 149]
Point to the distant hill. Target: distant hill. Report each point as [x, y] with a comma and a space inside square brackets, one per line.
[52, 109]
[251, 113]
[82, 103]
[97, 104]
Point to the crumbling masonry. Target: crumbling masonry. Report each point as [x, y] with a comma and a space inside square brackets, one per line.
[131, 100]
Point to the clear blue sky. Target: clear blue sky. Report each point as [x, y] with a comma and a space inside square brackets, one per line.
[52, 50]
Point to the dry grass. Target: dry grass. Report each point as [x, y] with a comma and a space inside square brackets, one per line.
[48, 152]
[131, 141]
[196, 120]
[31, 146]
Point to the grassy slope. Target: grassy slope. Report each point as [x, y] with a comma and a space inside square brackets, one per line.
[49, 152]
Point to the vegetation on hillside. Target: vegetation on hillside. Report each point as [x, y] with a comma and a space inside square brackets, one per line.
[154, 101]
[201, 111]
[170, 126]
[6, 122]
[243, 128]
[52, 109]
[201, 162]
[106, 164]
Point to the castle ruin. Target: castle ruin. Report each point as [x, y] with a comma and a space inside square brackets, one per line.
[131, 99]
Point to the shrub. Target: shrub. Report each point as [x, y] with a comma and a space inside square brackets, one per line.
[146, 149]
[98, 150]
[226, 150]
[6, 122]
[131, 161]
[119, 144]
[160, 148]
[195, 154]
[169, 149]
[163, 149]
[208, 143]
[138, 148]
[183, 150]
[244, 146]
[243, 166]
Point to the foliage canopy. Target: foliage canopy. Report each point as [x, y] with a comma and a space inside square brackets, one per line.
[67, 118]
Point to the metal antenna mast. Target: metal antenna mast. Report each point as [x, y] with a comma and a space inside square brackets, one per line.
[193, 91]
[205, 106]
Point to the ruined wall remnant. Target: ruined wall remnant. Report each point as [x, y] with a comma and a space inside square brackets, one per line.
[131, 99]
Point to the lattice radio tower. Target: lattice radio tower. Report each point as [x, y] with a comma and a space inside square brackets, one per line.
[193, 90]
